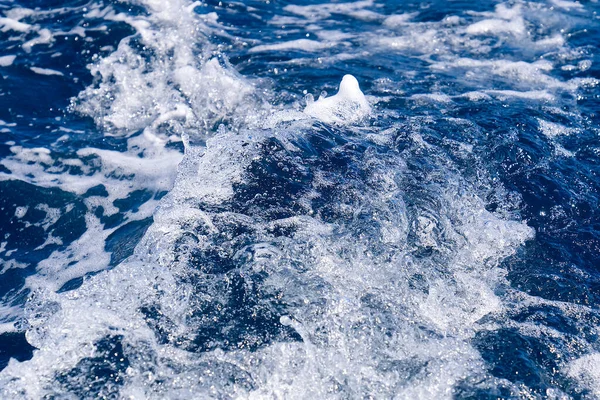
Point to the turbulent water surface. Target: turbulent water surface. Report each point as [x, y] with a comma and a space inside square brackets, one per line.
[299, 199]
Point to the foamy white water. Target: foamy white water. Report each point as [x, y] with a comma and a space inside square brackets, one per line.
[286, 247]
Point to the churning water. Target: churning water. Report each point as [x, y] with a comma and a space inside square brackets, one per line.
[299, 199]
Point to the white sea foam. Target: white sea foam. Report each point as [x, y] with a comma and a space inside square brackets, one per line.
[552, 130]
[505, 20]
[460, 44]
[567, 5]
[437, 97]
[322, 11]
[535, 74]
[186, 90]
[6, 61]
[20, 212]
[398, 19]
[46, 71]
[299, 44]
[586, 370]
[530, 94]
[350, 306]
[177, 89]
[348, 105]
[373, 318]
[44, 37]
[11, 24]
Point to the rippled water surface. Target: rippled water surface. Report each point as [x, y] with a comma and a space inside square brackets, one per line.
[299, 199]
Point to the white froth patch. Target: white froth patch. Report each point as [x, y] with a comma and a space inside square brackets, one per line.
[534, 73]
[584, 65]
[86, 254]
[347, 106]
[394, 21]
[32, 155]
[178, 88]
[529, 95]
[52, 215]
[21, 211]
[5, 265]
[552, 129]
[567, 5]
[363, 327]
[46, 71]
[50, 239]
[476, 96]
[148, 161]
[426, 40]
[562, 152]
[435, 97]
[586, 370]
[322, 11]
[333, 35]
[503, 20]
[555, 41]
[496, 26]
[44, 37]
[6, 61]
[9, 24]
[299, 44]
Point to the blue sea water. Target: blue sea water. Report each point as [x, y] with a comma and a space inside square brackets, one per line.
[190, 209]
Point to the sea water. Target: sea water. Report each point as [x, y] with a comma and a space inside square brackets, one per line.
[309, 199]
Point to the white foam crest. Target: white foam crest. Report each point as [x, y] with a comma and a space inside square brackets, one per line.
[153, 165]
[532, 74]
[436, 97]
[567, 5]
[167, 78]
[552, 129]
[374, 319]
[298, 44]
[9, 24]
[452, 35]
[12, 22]
[396, 20]
[7, 61]
[168, 86]
[464, 42]
[529, 95]
[46, 71]
[369, 325]
[318, 12]
[146, 166]
[586, 370]
[505, 20]
[533, 79]
[347, 106]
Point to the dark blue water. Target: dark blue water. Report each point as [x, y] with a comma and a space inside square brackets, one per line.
[182, 215]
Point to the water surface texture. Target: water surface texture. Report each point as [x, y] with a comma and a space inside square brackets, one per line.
[308, 199]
